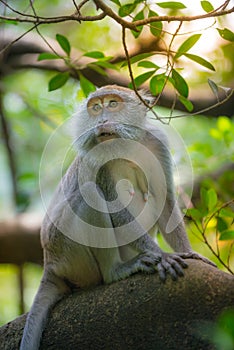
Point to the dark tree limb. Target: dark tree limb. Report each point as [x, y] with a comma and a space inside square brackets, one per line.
[137, 313]
[20, 241]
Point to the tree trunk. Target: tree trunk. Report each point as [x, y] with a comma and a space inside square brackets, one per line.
[137, 313]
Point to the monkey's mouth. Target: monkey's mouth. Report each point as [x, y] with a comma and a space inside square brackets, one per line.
[104, 134]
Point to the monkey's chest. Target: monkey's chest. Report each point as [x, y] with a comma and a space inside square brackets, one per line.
[131, 188]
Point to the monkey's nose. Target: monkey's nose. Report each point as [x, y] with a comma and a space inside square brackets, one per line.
[103, 121]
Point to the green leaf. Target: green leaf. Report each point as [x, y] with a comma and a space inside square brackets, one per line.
[214, 87]
[64, 43]
[200, 61]
[95, 54]
[227, 235]
[157, 84]
[212, 199]
[188, 104]
[226, 213]
[105, 64]
[216, 134]
[117, 2]
[138, 17]
[155, 27]
[194, 213]
[137, 58]
[204, 197]
[187, 45]
[86, 86]
[226, 34]
[126, 9]
[9, 21]
[97, 69]
[47, 56]
[175, 5]
[142, 78]
[26, 176]
[221, 225]
[207, 6]
[147, 64]
[180, 84]
[224, 124]
[58, 81]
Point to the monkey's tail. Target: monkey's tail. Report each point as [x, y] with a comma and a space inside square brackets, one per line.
[51, 290]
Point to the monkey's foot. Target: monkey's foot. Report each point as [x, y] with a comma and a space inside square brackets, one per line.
[197, 256]
[173, 264]
[144, 262]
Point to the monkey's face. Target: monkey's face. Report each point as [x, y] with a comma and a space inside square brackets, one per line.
[106, 110]
[109, 113]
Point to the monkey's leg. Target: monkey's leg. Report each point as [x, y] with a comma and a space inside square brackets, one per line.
[150, 257]
[51, 290]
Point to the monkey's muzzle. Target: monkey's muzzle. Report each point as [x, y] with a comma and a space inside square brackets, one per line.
[106, 132]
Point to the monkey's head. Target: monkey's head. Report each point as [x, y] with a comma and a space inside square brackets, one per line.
[110, 112]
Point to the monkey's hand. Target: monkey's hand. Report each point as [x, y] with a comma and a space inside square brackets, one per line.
[170, 263]
[150, 262]
[197, 256]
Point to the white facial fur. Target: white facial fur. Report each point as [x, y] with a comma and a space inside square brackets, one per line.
[110, 105]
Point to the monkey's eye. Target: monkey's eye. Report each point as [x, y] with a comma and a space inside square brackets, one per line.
[113, 104]
[96, 108]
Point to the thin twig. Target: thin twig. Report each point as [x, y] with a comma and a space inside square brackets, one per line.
[133, 25]
[107, 11]
[169, 64]
[16, 11]
[131, 73]
[50, 20]
[17, 39]
[204, 109]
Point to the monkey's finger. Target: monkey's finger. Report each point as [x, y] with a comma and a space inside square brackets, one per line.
[161, 272]
[173, 274]
[176, 267]
[180, 260]
[168, 267]
[194, 255]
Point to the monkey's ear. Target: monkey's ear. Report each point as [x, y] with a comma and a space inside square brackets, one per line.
[147, 97]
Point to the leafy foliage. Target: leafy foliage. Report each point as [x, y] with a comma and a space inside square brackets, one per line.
[163, 56]
[212, 219]
[187, 45]
[58, 81]
[155, 27]
[175, 5]
[207, 6]
[64, 43]
[226, 34]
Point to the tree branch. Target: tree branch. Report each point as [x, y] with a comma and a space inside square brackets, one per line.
[137, 313]
[24, 54]
[133, 25]
[7, 140]
[107, 11]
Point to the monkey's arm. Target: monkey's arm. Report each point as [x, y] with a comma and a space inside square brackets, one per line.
[150, 257]
[170, 221]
